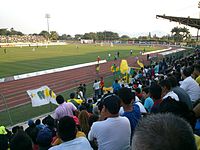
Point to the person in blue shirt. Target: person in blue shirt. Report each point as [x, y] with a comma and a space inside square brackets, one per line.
[148, 102]
[116, 86]
[156, 68]
[131, 110]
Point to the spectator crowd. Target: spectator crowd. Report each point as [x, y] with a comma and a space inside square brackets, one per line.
[21, 38]
[157, 108]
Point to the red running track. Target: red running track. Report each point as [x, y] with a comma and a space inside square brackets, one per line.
[14, 92]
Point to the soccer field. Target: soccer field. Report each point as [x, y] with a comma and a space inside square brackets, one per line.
[18, 60]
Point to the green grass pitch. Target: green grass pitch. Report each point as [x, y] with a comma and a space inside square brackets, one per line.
[29, 59]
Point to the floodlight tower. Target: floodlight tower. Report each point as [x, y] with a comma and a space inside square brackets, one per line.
[47, 16]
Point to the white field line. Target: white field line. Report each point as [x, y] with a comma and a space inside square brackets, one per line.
[33, 74]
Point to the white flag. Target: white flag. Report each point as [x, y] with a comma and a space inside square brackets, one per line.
[42, 96]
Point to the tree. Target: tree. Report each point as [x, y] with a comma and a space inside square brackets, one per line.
[63, 37]
[78, 36]
[180, 34]
[100, 36]
[69, 37]
[35, 34]
[185, 33]
[54, 35]
[11, 32]
[3, 31]
[90, 35]
[14, 32]
[176, 34]
[45, 34]
[125, 38]
[108, 35]
[142, 38]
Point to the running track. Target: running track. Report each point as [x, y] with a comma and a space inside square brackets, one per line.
[14, 92]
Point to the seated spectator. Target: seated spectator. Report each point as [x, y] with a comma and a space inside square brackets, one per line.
[86, 106]
[67, 132]
[182, 95]
[79, 133]
[139, 103]
[64, 109]
[83, 119]
[44, 138]
[156, 68]
[178, 108]
[138, 93]
[196, 73]
[148, 102]
[166, 90]
[168, 131]
[94, 116]
[155, 93]
[75, 101]
[190, 85]
[131, 111]
[32, 131]
[50, 123]
[3, 138]
[21, 141]
[14, 130]
[113, 131]
[38, 124]
[89, 105]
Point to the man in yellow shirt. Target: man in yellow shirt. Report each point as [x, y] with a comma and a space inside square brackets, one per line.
[75, 101]
[196, 73]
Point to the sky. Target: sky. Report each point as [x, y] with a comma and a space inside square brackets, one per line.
[72, 17]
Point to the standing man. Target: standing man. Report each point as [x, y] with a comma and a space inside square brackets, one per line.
[144, 50]
[101, 86]
[64, 109]
[131, 52]
[97, 68]
[5, 50]
[109, 55]
[116, 86]
[98, 59]
[118, 54]
[96, 87]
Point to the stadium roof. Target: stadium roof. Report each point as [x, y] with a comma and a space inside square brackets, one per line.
[192, 22]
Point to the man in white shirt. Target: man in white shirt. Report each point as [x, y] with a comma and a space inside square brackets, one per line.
[190, 85]
[166, 90]
[96, 87]
[114, 132]
[67, 132]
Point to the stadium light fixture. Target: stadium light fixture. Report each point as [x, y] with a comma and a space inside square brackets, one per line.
[47, 16]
